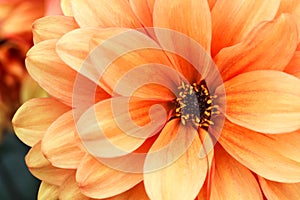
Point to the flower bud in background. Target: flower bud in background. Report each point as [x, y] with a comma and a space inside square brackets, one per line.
[16, 86]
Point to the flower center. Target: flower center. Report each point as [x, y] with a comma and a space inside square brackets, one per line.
[194, 105]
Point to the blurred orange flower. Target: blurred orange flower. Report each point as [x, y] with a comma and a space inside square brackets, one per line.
[255, 46]
[16, 18]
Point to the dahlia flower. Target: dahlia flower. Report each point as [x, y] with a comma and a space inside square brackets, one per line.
[16, 18]
[165, 99]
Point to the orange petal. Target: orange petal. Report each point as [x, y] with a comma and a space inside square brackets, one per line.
[151, 5]
[273, 157]
[70, 190]
[52, 27]
[66, 7]
[265, 101]
[280, 191]
[31, 122]
[142, 11]
[48, 191]
[73, 47]
[99, 181]
[129, 70]
[118, 126]
[211, 3]
[136, 193]
[232, 180]
[293, 66]
[133, 60]
[169, 14]
[231, 22]
[49, 71]
[270, 45]
[183, 178]
[102, 13]
[60, 145]
[41, 168]
[292, 7]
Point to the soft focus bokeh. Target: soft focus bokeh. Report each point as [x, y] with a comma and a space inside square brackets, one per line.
[16, 87]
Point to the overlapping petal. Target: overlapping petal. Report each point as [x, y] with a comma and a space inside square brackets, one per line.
[142, 10]
[169, 14]
[280, 191]
[292, 7]
[70, 190]
[232, 180]
[41, 168]
[99, 181]
[60, 145]
[183, 178]
[270, 45]
[30, 123]
[118, 126]
[273, 157]
[52, 27]
[66, 7]
[231, 22]
[50, 71]
[48, 191]
[129, 60]
[113, 13]
[294, 65]
[264, 101]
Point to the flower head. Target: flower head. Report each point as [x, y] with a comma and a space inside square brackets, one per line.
[165, 99]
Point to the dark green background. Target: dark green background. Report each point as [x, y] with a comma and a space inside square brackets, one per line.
[16, 182]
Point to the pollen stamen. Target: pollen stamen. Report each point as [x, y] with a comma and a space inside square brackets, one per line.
[195, 105]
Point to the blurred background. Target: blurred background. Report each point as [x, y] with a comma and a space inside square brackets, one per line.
[16, 87]
[16, 182]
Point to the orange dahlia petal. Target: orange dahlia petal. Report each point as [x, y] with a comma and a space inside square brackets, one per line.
[270, 45]
[66, 7]
[173, 14]
[73, 47]
[102, 13]
[41, 168]
[280, 191]
[116, 127]
[52, 27]
[48, 191]
[136, 193]
[49, 71]
[30, 121]
[211, 3]
[142, 11]
[99, 181]
[70, 190]
[183, 178]
[294, 66]
[131, 62]
[292, 7]
[273, 157]
[231, 22]
[232, 180]
[60, 145]
[266, 101]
